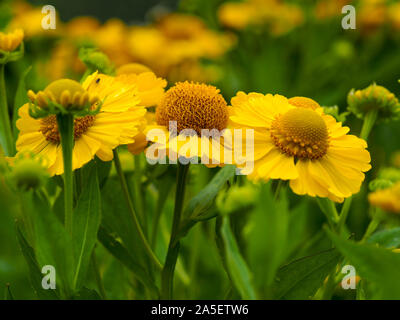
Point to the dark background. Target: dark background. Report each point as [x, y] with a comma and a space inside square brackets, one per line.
[127, 10]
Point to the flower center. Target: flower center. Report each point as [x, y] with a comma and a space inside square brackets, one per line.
[49, 127]
[301, 133]
[193, 106]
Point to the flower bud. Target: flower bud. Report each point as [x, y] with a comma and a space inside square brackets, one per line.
[28, 172]
[96, 60]
[374, 98]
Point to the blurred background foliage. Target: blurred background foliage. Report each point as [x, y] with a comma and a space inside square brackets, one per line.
[294, 48]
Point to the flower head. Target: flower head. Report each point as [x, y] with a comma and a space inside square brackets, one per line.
[115, 123]
[10, 41]
[301, 144]
[373, 98]
[193, 106]
[387, 199]
[199, 114]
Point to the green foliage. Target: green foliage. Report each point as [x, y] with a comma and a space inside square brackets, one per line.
[378, 266]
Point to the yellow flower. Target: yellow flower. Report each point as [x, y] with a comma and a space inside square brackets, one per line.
[116, 123]
[387, 199]
[236, 15]
[195, 108]
[148, 122]
[394, 15]
[30, 20]
[10, 41]
[301, 144]
[151, 88]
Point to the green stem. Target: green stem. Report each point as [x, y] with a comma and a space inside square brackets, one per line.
[129, 202]
[162, 198]
[368, 124]
[167, 276]
[374, 223]
[344, 213]
[66, 128]
[6, 133]
[137, 175]
[329, 209]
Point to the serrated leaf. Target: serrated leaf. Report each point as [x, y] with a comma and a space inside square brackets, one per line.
[379, 267]
[86, 223]
[234, 263]
[300, 279]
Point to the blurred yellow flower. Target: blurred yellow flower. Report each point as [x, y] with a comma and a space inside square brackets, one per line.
[11, 41]
[30, 20]
[116, 123]
[301, 144]
[279, 16]
[387, 199]
[174, 40]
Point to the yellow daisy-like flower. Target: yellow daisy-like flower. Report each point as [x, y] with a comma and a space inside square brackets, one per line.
[387, 199]
[116, 123]
[150, 88]
[11, 41]
[197, 110]
[301, 144]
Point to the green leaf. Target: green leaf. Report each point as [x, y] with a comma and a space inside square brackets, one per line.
[86, 223]
[86, 294]
[379, 267]
[199, 206]
[53, 245]
[234, 263]
[117, 249]
[300, 279]
[20, 99]
[386, 238]
[268, 236]
[34, 271]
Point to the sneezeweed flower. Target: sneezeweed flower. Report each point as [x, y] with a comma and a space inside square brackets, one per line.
[115, 123]
[28, 171]
[150, 87]
[376, 99]
[278, 16]
[12, 40]
[302, 144]
[198, 114]
[386, 199]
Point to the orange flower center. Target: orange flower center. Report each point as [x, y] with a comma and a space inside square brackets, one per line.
[193, 106]
[301, 133]
[49, 127]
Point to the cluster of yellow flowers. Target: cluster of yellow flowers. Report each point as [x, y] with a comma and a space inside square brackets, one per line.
[293, 138]
[278, 16]
[172, 46]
